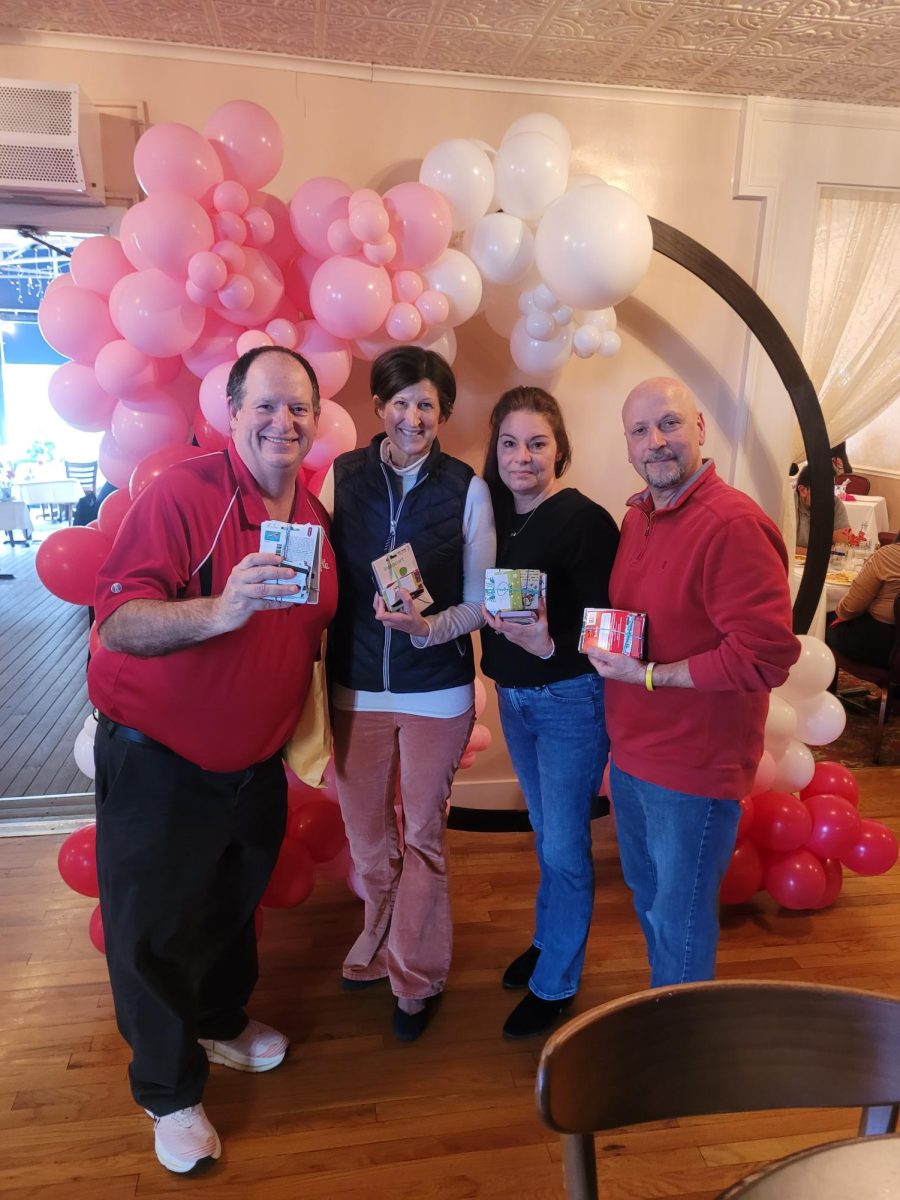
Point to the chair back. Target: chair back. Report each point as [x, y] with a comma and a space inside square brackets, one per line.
[719, 1047]
[857, 485]
[85, 473]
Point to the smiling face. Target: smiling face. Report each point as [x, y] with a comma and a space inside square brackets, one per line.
[527, 454]
[664, 432]
[276, 423]
[411, 418]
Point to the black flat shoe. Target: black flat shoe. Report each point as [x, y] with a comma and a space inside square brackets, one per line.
[410, 1026]
[533, 1015]
[520, 970]
[358, 985]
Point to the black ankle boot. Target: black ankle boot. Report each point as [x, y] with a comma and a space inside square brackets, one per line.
[520, 970]
[533, 1015]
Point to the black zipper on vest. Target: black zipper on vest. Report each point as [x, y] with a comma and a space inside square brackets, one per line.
[389, 545]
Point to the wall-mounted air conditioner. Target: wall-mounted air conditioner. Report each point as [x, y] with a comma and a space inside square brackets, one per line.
[49, 144]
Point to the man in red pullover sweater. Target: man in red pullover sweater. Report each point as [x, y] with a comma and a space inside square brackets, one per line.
[686, 726]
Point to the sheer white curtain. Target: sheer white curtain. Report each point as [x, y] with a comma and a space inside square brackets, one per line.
[851, 344]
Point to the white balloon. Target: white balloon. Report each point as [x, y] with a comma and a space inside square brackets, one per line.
[464, 176]
[90, 724]
[580, 181]
[794, 768]
[765, 774]
[586, 341]
[593, 246]
[562, 315]
[83, 752]
[781, 724]
[541, 123]
[812, 672]
[441, 341]
[610, 344]
[455, 276]
[530, 172]
[604, 319]
[821, 721]
[540, 325]
[526, 303]
[539, 357]
[501, 246]
[543, 298]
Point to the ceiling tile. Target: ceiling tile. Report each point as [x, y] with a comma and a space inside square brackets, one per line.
[60, 16]
[721, 30]
[508, 16]
[384, 10]
[391, 43]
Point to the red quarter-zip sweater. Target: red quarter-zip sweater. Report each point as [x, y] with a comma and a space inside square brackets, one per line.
[711, 573]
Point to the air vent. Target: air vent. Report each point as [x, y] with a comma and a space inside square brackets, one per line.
[44, 130]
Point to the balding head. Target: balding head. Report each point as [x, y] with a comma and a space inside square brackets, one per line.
[664, 431]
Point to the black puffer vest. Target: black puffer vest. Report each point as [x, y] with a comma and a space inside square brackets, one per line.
[369, 519]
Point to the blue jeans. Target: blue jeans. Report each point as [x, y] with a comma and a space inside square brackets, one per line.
[556, 737]
[674, 848]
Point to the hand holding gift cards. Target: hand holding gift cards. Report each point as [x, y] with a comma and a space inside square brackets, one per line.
[614, 630]
[513, 594]
[397, 576]
[300, 546]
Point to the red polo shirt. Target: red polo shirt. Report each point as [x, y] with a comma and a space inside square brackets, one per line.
[233, 700]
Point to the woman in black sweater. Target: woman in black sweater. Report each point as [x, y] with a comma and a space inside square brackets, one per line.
[550, 699]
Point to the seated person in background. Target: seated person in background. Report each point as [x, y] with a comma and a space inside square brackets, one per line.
[842, 531]
[865, 627]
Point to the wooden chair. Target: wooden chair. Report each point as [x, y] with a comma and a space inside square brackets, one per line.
[85, 473]
[720, 1047]
[857, 485]
[886, 677]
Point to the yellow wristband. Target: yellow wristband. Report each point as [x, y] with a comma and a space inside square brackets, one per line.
[648, 677]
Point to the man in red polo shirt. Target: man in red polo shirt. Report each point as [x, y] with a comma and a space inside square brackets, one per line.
[199, 681]
[686, 727]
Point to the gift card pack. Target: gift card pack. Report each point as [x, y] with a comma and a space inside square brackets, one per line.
[397, 573]
[301, 548]
[513, 593]
[615, 630]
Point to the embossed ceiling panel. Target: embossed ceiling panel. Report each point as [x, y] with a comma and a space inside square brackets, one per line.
[843, 50]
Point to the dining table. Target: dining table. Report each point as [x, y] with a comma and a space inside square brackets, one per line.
[14, 515]
[864, 1168]
[64, 492]
[868, 515]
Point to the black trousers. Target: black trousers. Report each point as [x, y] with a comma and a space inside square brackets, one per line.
[183, 857]
[863, 639]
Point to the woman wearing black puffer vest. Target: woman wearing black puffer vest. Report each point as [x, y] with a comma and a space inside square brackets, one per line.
[403, 683]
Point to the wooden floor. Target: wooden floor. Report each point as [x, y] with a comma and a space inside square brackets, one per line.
[352, 1114]
[43, 655]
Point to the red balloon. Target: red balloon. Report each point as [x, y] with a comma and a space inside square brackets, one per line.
[834, 881]
[208, 438]
[836, 826]
[319, 827]
[781, 822]
[744, 876]
[832, 779]
[300, 793]
[95, 930]
[467, 760]
[112, 511]
[68, 560]
[293, 877]
[874, 852]
[154, 464]
[796, 880]
[77, 861]
[746, 818]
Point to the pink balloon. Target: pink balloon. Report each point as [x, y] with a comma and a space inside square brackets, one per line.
[875, 851]
[480, 696]
[251, 339]
[381, 252]
[283, 246]
[232, 255]
[268, 290]
[112, 511]
[336, 434]
[408, 286]
[98, 263]
[150, 309]
[795, 880]
[328, 356]
[168, 369]
[350, 298]
[836, 826]
[155, 463]
[404, 322]
[314, 206]
[369, 221]
[248, 141]
[236, 295]
[467, 760]
[67, 562]
[230, 196]
[140, 431]
[175, 158]
[124, 371]
[480, 738]
[216, 344]
[420, 222]
[59, 281]
[213, 400]
[340, 239]
[434, 307]
[199, 296]
[207, 437]
[229, 227]
[116, 464]
[79, 399]
[207, 270]
[165, 231]
[313, 480]
[184, 390]
[283, 333]
[298, 275]
[781, 822]
[76, 322]
[260, 227]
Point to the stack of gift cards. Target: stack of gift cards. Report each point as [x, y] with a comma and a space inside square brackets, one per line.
[301, 548]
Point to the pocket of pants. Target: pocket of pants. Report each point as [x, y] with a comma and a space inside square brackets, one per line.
[573, 691]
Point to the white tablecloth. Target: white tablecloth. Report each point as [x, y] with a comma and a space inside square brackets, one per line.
[49, 491]
[15, 515]
[867, 513]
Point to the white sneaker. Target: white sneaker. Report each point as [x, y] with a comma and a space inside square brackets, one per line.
[185, 1138]
[259, 1048]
